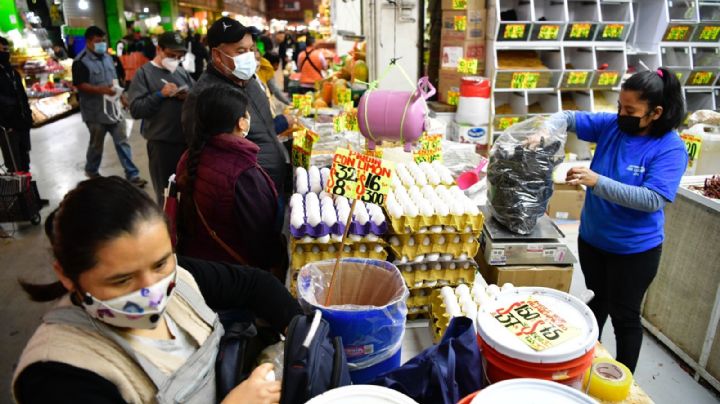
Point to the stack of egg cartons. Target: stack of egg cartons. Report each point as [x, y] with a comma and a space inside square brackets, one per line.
[434, 231]
[318, 220]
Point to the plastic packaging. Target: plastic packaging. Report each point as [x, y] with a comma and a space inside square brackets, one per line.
[274, 354]
[520, 171]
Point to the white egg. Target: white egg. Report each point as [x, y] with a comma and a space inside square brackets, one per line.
[296, 200]
[411, 210]
[340, 200]
[313, 218]
[329, 216]
[311, 198]
[419, 258]
[441, 240]
[433, 178]
[314, 175]
[462, 290]
[324, 239]
[324, 176]
[507, 287]
[301, 185]
[442, 209]
[446, 257]
[426, 210]
[297, 221]
[355, 237]
[396, 211]
[493, 290]
[362, 248]
[426, 241]
[378, 218]
[433, 257]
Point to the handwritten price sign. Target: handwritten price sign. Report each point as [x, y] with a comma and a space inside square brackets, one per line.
[453, 97]
[507, 121]
[613, 31]
[702, 78]
[461, 23]
[459, 4]
[549, 32]
[608, 78]
[514, 31]
[577, 78]
[303, 142]
[346, 121]
[535, 325]
[430, 149]
[677, 33]
[693, 144]
[467, 66]
[525, 80]
[580, 31]
[709, 33]
[358, 176]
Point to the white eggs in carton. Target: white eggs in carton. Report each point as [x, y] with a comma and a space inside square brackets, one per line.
[314, 177]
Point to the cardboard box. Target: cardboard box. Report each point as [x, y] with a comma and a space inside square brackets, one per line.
[449, 82]
[452, 51]
[549, 276]
[463, 25]
[457, 5]
[567, 202]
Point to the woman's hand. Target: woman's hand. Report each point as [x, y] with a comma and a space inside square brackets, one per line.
[581, 176]
[256, 389]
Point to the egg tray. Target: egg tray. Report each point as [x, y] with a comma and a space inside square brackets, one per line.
[468, 245]
[319, 252]
[436, 278]
[404, 224]
[322, 229]
[351, 239]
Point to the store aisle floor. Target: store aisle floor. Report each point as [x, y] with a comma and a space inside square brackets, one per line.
[58, 158]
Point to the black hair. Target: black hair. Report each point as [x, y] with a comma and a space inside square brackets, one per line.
[309, 40]
[659, 88]
[4, 41]
[96, 212]
[272, 57]
[94, 32]
[217, 112]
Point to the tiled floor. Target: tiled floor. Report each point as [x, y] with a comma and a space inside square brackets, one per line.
[57, 162]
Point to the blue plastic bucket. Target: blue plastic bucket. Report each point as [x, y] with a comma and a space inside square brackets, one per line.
[367, 310]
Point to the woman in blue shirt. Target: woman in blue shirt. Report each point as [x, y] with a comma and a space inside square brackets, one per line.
[638, 163]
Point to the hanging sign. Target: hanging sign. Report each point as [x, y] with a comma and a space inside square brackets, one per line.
[358, 176]
[535, 324]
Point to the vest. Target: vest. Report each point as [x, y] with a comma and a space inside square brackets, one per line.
[102, 73]
[309, 74]
[223, 160]
[68, 335]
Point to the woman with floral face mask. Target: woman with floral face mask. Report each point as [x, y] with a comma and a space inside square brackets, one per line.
[636, 169]
[228, 206]
[135, 322]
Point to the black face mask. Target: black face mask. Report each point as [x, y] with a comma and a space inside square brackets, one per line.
[4, 58]
[630, 124]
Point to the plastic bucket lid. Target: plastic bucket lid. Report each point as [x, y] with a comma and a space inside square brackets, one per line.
[362, 394]
[570, 308]
[475, 86]
[522, 391]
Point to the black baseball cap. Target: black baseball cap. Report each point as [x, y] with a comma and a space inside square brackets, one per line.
[172, 41]
[226, 30]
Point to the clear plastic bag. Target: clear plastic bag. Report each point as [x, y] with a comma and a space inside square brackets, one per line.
[520, 171]
[274, 354]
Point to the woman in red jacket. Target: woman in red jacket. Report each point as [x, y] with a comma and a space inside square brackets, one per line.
[228, 203]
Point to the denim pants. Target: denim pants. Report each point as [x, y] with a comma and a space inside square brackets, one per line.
[122, 147]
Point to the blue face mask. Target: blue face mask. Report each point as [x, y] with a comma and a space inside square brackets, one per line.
[101, 48]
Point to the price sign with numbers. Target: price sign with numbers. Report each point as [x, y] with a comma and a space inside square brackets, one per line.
[677, 33]
[709, 33]
[549, 32]
[693, 144]
[613, 31]
[535, 324]
[467, 66]
[303, 142]
[514, 31]
[608, 78]
[296, 100]
[430, 149]
[525, 80]
[453, 97]
[702, 78]
[359, 176]
[461, 23]
[459, 4]
[577, 78]
[507, 121]
[580, 31]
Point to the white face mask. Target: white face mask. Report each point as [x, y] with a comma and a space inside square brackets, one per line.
[245, 65]
[170, 64]
[140, 309]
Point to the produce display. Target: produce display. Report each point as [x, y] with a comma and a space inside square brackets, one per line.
[711, 188]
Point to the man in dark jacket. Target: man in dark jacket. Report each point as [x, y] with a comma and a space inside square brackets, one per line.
[233, 64]
[201, 55]
[156, 96]
[15, 114]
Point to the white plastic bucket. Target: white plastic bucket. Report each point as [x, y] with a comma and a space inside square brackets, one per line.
[474, 101]
[362, 394]
[523, 391]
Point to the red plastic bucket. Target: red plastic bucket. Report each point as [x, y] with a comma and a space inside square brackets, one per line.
[507, 357]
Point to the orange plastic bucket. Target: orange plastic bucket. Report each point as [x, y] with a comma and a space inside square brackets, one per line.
[506, 356]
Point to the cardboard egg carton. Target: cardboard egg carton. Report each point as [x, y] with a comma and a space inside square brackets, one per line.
[437, 274]
[304, 253]
[406, 224]
[413, 246]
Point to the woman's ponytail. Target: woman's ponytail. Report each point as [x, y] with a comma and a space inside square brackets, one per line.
[660, 88]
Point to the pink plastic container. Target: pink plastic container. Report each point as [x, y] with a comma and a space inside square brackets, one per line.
[394, 115]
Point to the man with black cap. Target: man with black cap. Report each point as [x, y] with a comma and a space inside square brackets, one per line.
[94, 76]
[233, 64]
[156, 96]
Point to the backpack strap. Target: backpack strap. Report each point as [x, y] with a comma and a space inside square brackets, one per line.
[309, 59]
[217, 238]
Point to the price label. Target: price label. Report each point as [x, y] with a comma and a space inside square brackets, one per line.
[709, 33]
[378, 152]
[608, 78]
[514, 31]
[577, 78]
[453, 97]
[461, 23]
[535, 324]
[430, 149]
[525, 80]
[677, 33]
[358, 176]
[613, 31]
[303, 142]
[693, 144]
[346, 120]
[296, 100]
[344, 96]
[702, 78]
[459, 4]
[580, 31]
[507, 121]
[549, 32]
[467, 66]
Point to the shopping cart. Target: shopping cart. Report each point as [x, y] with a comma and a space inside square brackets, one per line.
[19, 198]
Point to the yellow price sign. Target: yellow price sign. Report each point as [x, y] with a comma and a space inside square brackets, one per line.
[303, 142]
[467, 66]
[577, 78]
[507, 121]
[709, 33]
[693, 144]
[535, 324]
[453, 97]
[430, 149]
[459, 4]
[678, 33]
[525, 80]
[608, 78]
[359, 176]
[613, 31]
[514, 31]
[580, 31]
[549, 32]
[461, 23]
[702, 78]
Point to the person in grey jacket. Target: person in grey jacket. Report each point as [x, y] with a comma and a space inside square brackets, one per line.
[156, 96]
[233, 64]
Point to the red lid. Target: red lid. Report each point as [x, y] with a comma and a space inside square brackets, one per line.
[475, 86]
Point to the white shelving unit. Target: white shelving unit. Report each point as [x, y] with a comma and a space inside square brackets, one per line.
[588, 47]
